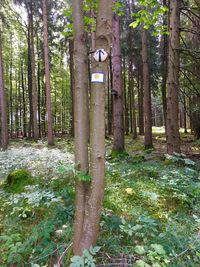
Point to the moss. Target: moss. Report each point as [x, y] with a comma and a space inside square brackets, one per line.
[17, 180]
[119, 154]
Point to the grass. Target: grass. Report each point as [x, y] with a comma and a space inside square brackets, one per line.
[151, 213]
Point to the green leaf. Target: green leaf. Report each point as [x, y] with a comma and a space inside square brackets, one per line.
[158, 249]
[139, 250]
[134, 24]
[141, 263]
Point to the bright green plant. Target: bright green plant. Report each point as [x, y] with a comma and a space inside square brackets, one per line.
[87, 259]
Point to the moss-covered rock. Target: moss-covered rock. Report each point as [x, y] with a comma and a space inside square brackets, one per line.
[17, 180]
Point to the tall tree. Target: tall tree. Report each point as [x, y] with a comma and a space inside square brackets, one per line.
[90, 202]
[47, 74]
[172, 133]
[118, 120]
[4, 126]
[147, 92]
[81, 123]
[33, 76]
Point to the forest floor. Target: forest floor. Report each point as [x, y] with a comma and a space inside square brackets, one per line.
[151, 214]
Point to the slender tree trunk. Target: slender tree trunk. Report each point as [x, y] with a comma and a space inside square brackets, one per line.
[118, 117]
[34, 86]
[147, 92]
[29, 71]
[80, 119]
[4, 125]
[97, 130]
[164, 52]
[88, 205]
[47, 75]
[126, 120]
[172, 134]
[71, 66]
[140, 102]
[23, 101]
[11, 87]
[134, 124]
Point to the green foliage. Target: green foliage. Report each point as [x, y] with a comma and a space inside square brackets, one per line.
[179, 159]
[87, 259]
[17, 180]
[83, 176]
[149, 15]
[119, 8]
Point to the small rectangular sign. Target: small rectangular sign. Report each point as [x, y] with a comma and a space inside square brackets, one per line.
[97, 77]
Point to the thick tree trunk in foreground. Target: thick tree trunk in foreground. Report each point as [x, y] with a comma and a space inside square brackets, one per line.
[47, 75]
[4, 125]
[147, 92]
[80, 119]
[118, 120]
[89, 203]
[172, 133]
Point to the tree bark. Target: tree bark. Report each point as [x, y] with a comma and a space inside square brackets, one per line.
[80, 119]
[34, 86]
[172, 133]
[164, 53]
[147, 92]
[140, 102]
[71, 66]
[118, 116]
[47, 75]
[4, 124]
[89, 202]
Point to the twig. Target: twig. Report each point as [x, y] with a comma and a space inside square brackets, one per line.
[63, 254]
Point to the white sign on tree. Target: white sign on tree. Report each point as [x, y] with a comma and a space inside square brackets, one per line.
[100, 55]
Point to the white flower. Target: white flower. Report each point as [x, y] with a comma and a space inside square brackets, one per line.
[59, 233]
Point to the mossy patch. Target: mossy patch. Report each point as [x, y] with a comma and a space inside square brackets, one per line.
[17, 180]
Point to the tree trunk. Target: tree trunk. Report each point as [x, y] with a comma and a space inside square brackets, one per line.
[71, 66]
[140, 102]
[23, 100]
[47, 75]
[29, 71]
[118, 120]
[34, 86]
[11, 88]
[80, 119]
[4, 125]
[89, 203]
[147, 92]
[172, 133]
[164, 52]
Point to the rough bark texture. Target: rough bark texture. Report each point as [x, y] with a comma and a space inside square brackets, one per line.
[4, 126]
[140, 102]
[97, 130]
[147, 92]
[80, 118]
[47, 75]
[118, 120]
[89, 201]
[34, 86]
[71, 66]
[164, 52]
[30, 128]
[172, 133]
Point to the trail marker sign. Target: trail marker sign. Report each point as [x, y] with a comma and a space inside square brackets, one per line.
[97, 77]
[100, 55]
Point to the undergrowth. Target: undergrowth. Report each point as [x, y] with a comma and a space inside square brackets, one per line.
[151, 215]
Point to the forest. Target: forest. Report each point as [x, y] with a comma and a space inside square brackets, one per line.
[99, 133]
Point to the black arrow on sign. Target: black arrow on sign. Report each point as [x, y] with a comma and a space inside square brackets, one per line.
[99, 53]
